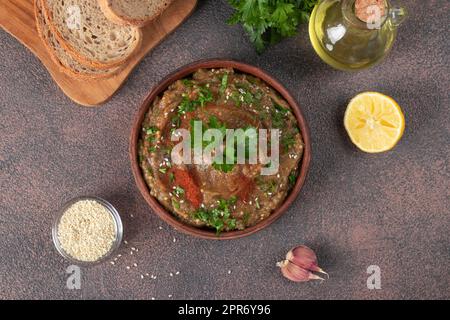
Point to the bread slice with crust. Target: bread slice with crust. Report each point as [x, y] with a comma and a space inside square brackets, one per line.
[88, 36]
[60, 57]
[133, 12]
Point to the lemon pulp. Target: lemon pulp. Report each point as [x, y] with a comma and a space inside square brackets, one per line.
[374, 122]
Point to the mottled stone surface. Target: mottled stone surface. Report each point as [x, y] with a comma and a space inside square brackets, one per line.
[356, 210]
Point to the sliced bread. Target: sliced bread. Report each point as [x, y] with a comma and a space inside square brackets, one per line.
[133, 12]
[60, 57]
[84, 32]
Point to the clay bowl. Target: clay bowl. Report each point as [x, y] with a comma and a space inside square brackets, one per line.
[136, 130]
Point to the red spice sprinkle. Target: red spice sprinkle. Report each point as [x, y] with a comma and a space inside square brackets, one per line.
[190, 187]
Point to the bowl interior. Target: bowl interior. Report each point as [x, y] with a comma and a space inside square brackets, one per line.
[180, 74]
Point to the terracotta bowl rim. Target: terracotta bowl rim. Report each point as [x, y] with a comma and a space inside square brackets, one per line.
[182, 73]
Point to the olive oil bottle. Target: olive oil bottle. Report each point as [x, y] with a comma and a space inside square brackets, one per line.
[342, 38]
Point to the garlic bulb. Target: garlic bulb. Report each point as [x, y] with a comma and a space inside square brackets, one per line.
[300, 264]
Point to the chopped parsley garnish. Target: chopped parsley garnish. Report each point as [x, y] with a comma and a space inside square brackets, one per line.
[151, 133]
[224, 84]
[292, 179]
[278, 115]
[176, 121]
[258, 95]
[258, 206]
[178, 191]
[248, 97]
[224, 167]
[236, 97]
[280, 108]
[151, 130]
[163, 170]
[288, 141]
[246, 218]
[187, 105]
[176, 204]
[244, 94]
[204, 96]
[219, 218]
[271, 186]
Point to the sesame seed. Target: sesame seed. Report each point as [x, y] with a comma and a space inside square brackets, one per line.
[171, 274]
[86, 230]
[128, 267]
[135, 265]
[142, 276]
[229, 271]
[177, 273]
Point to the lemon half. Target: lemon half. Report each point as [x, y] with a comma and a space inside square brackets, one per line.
[374, 122]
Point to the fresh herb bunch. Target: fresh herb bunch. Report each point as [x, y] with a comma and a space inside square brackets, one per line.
[269, 21]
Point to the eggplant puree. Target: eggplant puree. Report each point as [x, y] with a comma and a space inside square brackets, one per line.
[221, 197]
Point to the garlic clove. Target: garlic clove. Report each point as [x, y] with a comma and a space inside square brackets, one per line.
[306, 258]
[296, 273]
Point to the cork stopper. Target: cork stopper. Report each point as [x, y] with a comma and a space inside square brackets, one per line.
[366, 10]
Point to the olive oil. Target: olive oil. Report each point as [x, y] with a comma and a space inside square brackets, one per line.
[348, 43]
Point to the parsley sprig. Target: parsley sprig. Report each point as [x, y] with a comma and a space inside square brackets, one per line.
[269, 21]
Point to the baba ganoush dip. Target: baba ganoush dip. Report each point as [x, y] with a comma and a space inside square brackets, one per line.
[223, 197]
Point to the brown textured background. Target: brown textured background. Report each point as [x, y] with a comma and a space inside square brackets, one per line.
[355, 210]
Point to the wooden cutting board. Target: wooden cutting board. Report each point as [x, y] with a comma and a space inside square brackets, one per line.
[17, 18]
